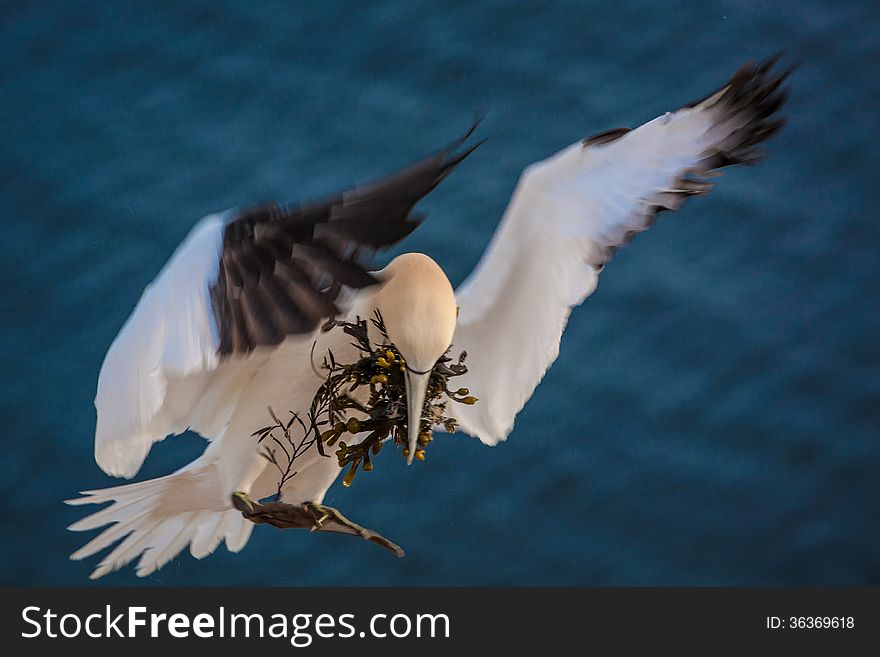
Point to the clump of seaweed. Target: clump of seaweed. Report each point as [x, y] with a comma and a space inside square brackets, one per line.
[334, 412]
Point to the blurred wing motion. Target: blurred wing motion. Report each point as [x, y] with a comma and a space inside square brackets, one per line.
[567, 216]
[240, 281]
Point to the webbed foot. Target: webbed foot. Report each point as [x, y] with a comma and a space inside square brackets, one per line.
[310, 515]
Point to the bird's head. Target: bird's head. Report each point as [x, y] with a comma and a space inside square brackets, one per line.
[417, 305]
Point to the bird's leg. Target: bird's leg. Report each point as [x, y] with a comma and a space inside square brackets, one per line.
[241, 499]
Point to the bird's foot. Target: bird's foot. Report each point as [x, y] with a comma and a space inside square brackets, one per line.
[323, 513]
[242, 502]
[329, 519]
[310, 515]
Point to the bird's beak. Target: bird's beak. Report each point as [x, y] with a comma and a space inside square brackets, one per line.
[416, 385]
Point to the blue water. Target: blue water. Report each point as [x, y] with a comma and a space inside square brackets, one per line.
[714, 417]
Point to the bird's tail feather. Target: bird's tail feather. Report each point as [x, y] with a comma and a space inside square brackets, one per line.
[153, 523]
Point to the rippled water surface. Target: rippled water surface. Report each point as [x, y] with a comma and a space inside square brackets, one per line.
[714, 417]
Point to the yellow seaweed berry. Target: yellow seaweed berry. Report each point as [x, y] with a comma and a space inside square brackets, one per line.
[353, 425]
[420, 454]
[470, 401]
[390, 356]
[425, 438]
[381, 362]
[379, 378]
[349, 476]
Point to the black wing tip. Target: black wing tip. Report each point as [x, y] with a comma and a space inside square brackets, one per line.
[751, 71]
[749, 103]
[744, 116]
[453, 154]
[458, 142]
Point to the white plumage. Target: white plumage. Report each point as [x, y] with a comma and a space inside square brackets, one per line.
[565, 214]
[193, 357]
[169, 339]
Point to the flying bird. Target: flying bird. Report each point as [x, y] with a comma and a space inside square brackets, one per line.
[231, 325]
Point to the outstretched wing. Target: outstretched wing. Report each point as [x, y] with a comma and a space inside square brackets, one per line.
[242, 280]
[282, 269]
[567, 216]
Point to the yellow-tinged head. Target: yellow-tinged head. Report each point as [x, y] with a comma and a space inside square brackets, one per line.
[417, 304]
